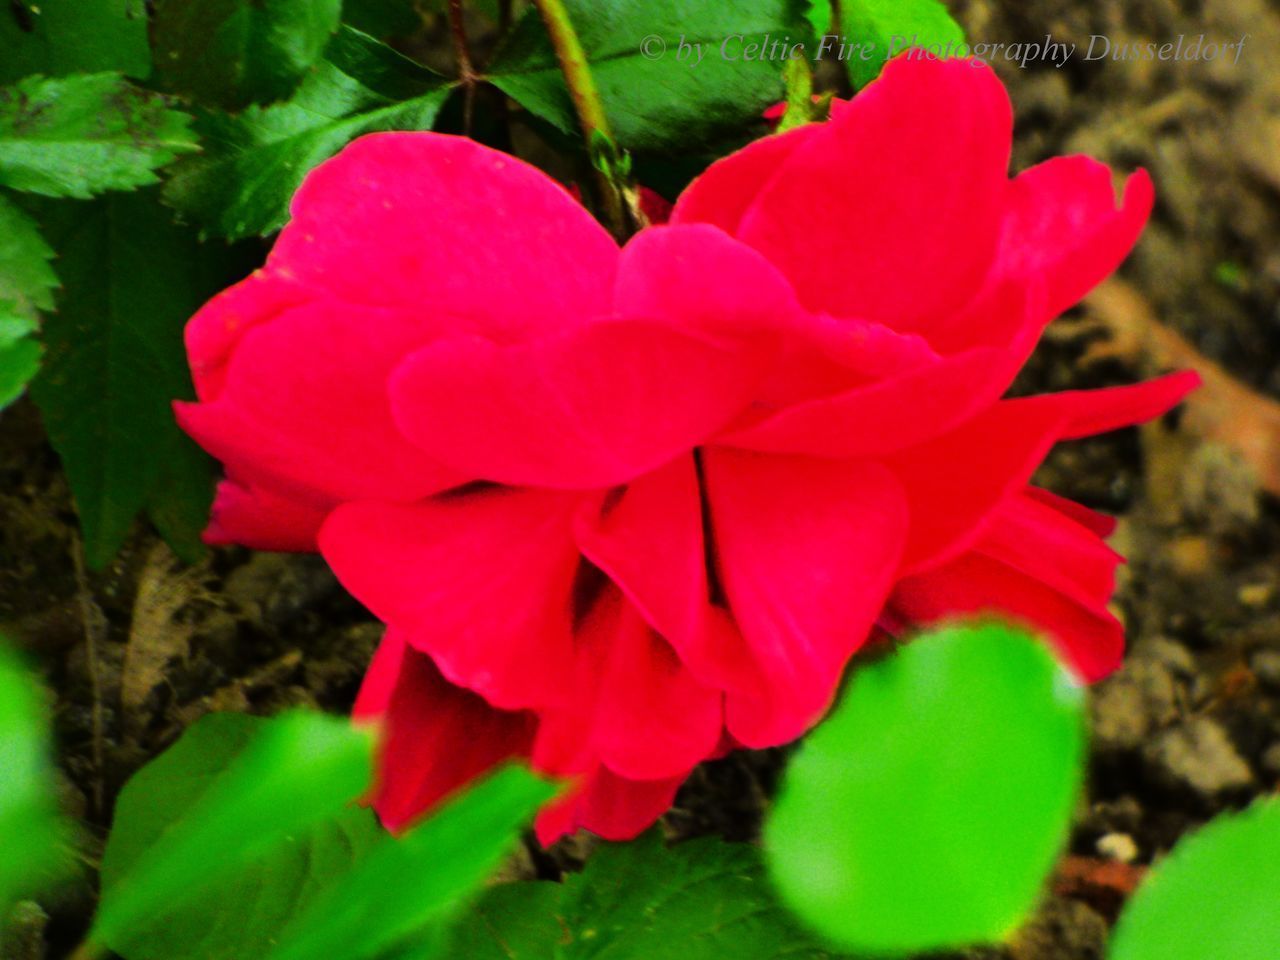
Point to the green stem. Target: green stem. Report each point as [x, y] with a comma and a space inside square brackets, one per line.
[577, 73]
[586, 101]
[88, 950]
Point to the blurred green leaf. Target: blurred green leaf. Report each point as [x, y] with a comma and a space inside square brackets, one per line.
[928, 809]
[657, 95]
[410, 886]
[702, 900]
[26, 288]
[232, 53]
[228, 830]
[1217, 894]
[81, 135]
[893, 26]
[58, 37]
[240, 916]
[115, 362]
[31, 832]
[253, 163]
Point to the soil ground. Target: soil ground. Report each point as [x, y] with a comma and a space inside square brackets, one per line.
[1189, 727]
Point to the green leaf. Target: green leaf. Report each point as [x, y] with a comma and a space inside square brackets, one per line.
[254, 162]
[31, 832]
[240, 917]
[703, 900]
[230, 831]
[27, 281]
[1217, 894]
[383, 18]
[236, 52]
[115, 363]
[26, 287]
[890, 26]
[658, 97]
[81, 135]
[928, 809]
[819, 17]
[59, 37]
[421, 879]
[19, 363]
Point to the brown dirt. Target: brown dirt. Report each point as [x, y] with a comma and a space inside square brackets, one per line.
[1191, 726]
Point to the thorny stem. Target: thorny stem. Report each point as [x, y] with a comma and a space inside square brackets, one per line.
[466, 68]
[586, 102]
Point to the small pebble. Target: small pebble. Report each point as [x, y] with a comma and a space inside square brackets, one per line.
[1192, 556]
[1271, 760]
[1200, 757]
[1170, 654]
[1256, 595]
[1117, 846]
[1266, 667]
[1120, 721]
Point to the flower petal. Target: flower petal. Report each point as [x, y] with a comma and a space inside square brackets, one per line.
[1061, 231]
[655, 207]
[954, 482]
[1091, 640]
[650, 544]
[1098, 523]
[722, 194]
[610, 806]
[700, 279]
[807, 550]
[827, 356]
[883, 416]
[216, 329]
[381, 678]
[303, 407]
[638, 709]
[593, 408]
[891, 213]
[1042, 542]
[442, 225]
[262, 520]
[653, 719]
[437, 738]
[482, 581]
[1091, 412]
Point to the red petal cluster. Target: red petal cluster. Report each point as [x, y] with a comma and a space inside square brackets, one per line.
[624, 510]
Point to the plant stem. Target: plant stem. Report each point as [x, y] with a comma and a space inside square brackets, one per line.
[586, 101]
[466, 68]
[88, 950]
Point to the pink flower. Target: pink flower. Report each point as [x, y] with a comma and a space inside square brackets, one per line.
[624, 510]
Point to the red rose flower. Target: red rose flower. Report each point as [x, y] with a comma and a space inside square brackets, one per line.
[624, 510]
